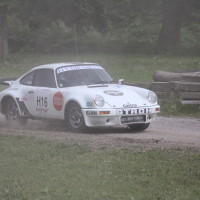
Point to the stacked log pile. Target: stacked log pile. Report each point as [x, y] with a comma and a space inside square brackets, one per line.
[185, 86]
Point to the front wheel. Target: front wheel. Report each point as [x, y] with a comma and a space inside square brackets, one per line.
[74, 118]
[138, 127]
[12, 113]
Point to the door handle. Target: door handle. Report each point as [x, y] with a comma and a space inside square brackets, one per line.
[31, 92]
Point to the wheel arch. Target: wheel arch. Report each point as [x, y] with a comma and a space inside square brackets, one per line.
[67, 105]
[75, 121]
[5, 100]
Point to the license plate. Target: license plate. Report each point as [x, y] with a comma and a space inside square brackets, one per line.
[133, 119]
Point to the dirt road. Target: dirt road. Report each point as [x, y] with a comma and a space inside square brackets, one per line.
[165, 132]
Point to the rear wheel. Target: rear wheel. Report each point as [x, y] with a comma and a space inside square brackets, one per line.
[138, 127]
[12, 113]
[74, 118]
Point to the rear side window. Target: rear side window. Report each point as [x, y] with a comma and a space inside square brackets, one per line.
[44, 78]
[28, 79]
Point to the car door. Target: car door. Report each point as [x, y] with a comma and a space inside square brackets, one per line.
[41, 95]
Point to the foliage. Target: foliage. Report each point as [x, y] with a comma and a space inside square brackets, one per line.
[112, 26]
[39, 169]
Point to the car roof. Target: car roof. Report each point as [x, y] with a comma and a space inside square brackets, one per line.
[64, 64]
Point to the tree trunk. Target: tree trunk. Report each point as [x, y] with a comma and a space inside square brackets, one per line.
[3, 31]
[173, 14]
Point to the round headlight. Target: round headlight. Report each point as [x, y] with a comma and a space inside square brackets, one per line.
[152, 97]
[99, 100]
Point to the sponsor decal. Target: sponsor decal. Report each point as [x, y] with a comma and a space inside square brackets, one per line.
[89, 104]
[134, 111]
[91, 112]
[42, 110]
[129, 105]
[71, 68]
[113, 93]
[58, 101]
[23, 99]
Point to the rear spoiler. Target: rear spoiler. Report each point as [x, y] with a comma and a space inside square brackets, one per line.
[7, 81]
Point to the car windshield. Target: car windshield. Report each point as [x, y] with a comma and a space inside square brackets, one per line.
[82, 75]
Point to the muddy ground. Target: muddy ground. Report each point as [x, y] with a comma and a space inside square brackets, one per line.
[164, 133]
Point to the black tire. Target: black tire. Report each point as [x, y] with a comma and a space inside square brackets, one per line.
[74, 118]
[138, 127]
[12, 113]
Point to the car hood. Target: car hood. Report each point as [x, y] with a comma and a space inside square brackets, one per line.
[116, 96]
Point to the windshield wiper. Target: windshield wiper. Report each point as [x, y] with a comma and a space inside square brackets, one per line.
[101, 82]
[104, 82]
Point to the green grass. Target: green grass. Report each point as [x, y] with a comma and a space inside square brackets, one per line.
[133, 68]
[173, 107]
[48, 170]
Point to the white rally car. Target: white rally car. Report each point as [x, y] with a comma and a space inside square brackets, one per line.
[81, 94]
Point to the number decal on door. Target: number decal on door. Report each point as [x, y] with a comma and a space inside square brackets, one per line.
[41, 104]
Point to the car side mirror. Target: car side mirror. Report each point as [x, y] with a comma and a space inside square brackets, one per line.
[120, 81]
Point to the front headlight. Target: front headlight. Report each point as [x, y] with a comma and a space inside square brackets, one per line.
[99, 100]
[152, 97]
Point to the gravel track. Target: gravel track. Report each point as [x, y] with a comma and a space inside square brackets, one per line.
[164, 133]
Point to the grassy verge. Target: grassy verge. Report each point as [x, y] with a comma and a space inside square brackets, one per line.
[44, 170]
[133, 68]
[173, 107]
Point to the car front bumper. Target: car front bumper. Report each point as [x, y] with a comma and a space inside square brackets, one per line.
[117, 117]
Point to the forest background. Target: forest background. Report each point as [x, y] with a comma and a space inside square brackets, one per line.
[128, 26]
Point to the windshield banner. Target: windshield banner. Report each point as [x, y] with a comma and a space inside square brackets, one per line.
[80, 67]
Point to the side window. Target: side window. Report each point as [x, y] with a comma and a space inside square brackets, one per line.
[28, 79]
[44, 78]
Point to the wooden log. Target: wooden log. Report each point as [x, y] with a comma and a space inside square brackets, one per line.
[192, 77]
[189, 95]
[186, 86]
[163, 95]
[193, 102]
[160, 87]
[163, 76]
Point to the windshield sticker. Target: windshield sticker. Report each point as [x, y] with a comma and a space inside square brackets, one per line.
[113, 93]
[58, 101]
[80, 67]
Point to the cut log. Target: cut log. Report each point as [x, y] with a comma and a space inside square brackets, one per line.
[193, 102]
[185, 86]
[163, 95]
[160, 87]
[192, 77]
[163, 76]
[189, 95]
